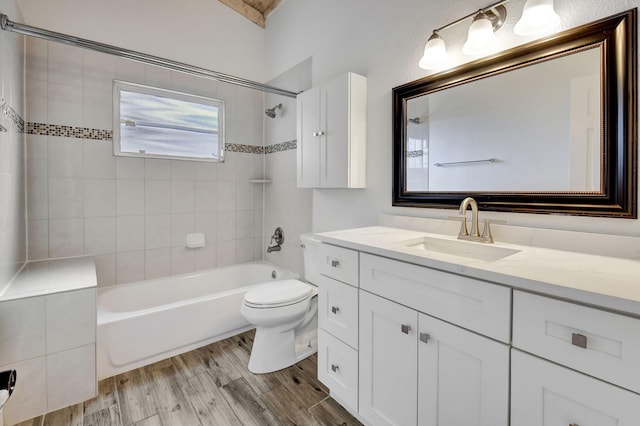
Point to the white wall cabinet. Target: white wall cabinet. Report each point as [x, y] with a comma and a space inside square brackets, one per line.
[331, 134]
[416, 369]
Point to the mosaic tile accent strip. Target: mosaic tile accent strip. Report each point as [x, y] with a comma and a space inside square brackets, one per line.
[69, 131]
[414, 154]
[280, 147]
[12, 115]
[239, 147]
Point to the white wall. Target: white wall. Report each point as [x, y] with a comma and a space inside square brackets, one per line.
[12, 183]
[384, 40]
[204, 33]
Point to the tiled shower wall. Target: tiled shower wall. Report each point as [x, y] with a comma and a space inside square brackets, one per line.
[286, 205]
[12, 182]
[133, 214]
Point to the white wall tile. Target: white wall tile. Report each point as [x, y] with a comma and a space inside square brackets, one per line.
[37, 198]
[157, 263]
[181, 225]
[206, 196]
[182, 196]
[38, 239]
[225, 253]
[129, 233]
[205, 257]
[226, 226]
[37, 103]
[65, 104]
[129, 197]
[76, 368]
[244, 250]
[182, 260]
[206, 170]
[157, 232]
[129, 266]
[129, 70]
[36, 59]
[99, 197]
[65, 198]
[22, 329]
[182, 82]
[29, 398]
[207, 223]
[37, 153]
[129, 168]
[65, 157]
[156, 76]
[183, 170]
[226, 171]
[157, 169]
[245, 195]
[98, 111]
[71, 310]
[105, 269]
[66, 237]
[99, 235]
[99, 69]
[226, 200]
[99, 161]
[244, 224]
[157, 196]
[65, 65]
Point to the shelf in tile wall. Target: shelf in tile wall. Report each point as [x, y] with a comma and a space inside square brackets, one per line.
[261, 180]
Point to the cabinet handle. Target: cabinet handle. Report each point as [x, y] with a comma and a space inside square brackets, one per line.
[579, 340]
[405, 328]
[334, 368]
[574, 424]
[424, 337]
[335, 263]
[335, 309]
[320, 133]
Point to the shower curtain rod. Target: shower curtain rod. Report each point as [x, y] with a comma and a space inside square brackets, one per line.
[8, 25]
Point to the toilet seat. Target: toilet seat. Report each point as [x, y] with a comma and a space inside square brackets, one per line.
[277, 294]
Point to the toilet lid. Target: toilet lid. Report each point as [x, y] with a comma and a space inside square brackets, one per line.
[278, 293]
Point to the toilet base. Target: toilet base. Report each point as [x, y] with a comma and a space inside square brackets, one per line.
[275, 350]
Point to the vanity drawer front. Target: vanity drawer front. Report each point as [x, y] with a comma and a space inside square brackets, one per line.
[339, 263]
[544, 393]
[472, 304]
[338, 369]
[338, 310]
[602, 344]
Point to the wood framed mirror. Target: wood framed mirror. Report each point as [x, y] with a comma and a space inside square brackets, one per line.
[546, 127]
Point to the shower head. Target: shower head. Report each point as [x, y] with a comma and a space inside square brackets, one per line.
[271, 112]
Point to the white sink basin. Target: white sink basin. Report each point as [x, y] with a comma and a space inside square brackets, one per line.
[471, 250]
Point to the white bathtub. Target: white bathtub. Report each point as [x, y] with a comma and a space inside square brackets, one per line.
[147, 321]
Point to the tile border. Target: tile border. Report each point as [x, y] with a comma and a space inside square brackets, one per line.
[12, 115]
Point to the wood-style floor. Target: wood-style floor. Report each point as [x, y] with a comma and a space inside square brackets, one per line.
[207, 386]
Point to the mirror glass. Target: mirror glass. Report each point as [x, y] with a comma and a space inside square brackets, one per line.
[546, 127]
[465, 139]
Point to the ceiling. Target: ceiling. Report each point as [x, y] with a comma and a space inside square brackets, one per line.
[254, 10]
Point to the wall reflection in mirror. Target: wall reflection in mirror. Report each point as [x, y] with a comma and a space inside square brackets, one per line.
[537, 128]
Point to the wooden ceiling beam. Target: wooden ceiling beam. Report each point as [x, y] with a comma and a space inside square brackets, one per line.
[245, 10]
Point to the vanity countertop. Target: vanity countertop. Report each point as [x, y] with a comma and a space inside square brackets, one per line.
[42, 277]
[607, 282]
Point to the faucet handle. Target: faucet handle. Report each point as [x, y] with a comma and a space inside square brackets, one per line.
[463, 224]
[486, 232]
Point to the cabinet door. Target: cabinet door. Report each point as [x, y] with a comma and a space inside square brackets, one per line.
[543, 393]
[463, 378]
[334, 143]
[308, 148]
[387, 362]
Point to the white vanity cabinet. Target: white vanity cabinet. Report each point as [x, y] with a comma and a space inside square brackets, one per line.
[331, 134]
[338, 323]
[598, 377]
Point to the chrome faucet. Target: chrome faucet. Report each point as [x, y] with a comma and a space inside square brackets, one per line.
[474, 234]
[278, 238]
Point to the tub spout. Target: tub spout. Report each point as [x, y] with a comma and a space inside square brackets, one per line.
[274, 248]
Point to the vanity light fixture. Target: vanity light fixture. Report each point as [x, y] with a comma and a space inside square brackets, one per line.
[538, 17]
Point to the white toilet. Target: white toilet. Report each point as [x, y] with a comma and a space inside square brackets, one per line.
[285, 314]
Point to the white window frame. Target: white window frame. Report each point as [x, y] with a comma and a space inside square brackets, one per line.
[119, 85]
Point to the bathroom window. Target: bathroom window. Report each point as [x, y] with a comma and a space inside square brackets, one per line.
[157, 123]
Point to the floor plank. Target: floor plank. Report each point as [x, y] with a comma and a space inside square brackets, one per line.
[208, 386]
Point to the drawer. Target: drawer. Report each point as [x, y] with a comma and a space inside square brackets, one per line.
[472, 304]
[339, 263]
[338, 369]
[338, 310]
[549, 394]
[602, 344]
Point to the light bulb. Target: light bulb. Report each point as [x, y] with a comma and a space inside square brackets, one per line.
[538, 17]
[481, 38]
[435, 53]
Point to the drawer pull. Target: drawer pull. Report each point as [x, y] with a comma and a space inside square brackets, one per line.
[579, 340]
[335, 263]
[405, 328]
[424, 337]
[574, 424]
[335, 309]
[334, 368]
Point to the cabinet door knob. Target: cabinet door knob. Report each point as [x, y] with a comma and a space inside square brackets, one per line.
[579, 340]
[335, 263]
[424, 337]
[335, 309]
[334, 368]
[405, 328]
[320, 133]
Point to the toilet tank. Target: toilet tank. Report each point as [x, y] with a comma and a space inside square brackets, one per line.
[311, 253]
